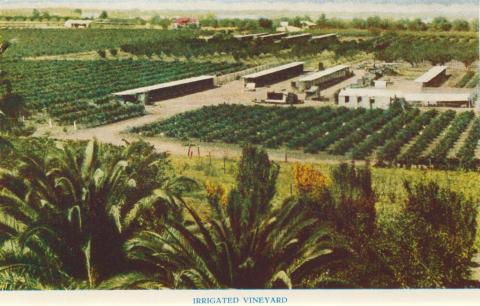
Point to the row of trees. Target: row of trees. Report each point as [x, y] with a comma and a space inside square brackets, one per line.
[95, 216]
[404, 24]
[46, 16]
[392, 47]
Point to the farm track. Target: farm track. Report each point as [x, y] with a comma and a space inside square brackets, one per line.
[116, 133]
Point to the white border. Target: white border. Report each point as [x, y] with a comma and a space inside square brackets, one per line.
[454, 297]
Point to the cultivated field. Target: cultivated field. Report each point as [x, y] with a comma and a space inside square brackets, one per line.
[395, 136]
[211, 190]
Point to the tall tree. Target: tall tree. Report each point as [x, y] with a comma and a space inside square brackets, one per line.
[284, 248]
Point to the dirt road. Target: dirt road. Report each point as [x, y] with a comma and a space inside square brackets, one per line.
[231, 93]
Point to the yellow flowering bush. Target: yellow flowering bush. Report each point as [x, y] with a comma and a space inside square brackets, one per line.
[309, 180]
[216, 192]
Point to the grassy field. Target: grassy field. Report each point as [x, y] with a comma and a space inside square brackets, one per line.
[387, 183]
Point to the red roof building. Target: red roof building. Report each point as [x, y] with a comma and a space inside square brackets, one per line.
[186, 21]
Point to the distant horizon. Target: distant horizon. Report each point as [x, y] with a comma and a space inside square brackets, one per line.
[333, 8]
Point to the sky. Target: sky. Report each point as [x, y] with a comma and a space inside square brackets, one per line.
[452, 8]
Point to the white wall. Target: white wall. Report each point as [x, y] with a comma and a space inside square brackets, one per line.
[380, 102]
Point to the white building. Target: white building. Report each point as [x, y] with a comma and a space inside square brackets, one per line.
[372, 97]
[367, 97]
[77, 24]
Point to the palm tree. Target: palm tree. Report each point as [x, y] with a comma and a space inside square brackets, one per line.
[64, 218]
[238, 246]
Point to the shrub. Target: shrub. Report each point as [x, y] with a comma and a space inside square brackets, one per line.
[102, 53]
[430, 242]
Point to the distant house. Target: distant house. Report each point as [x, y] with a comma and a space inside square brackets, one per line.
[182, 22]
[77, 24]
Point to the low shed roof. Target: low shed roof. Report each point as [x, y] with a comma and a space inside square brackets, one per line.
[297, 36]
[316, 75]
[323, 36]
[273, 35]
[438, 97]
[430, 74]
[162, 85]
[272, 70]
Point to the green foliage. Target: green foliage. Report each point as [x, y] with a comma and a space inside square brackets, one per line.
[466, 154]
[64, 216]
[66, 81]
[428, 134]
[238, 246]
[102, 53]
[337, 131]
[94, 113]
[113, 52]
[256, 177]
[430, 243]
[392, 46]
[103, 15]
[465, 79]
[37, 42]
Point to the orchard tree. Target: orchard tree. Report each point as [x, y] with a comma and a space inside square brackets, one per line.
[460, 25]
[256, 176]
[103, 15]
[265, 23]
[441, 24]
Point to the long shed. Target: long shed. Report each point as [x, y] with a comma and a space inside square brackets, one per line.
[167, 90]
[324, 78]
[274, 75]
[382, 97]
[434, 77]
[304, 37]
[323, 38]
[272, 37]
